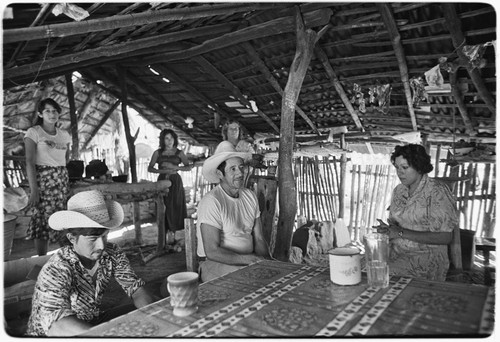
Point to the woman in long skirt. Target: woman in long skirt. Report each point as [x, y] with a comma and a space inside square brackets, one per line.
[168, 159]
[47, 153]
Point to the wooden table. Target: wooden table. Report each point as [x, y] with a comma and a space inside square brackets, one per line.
[272, 298]
[133, 193]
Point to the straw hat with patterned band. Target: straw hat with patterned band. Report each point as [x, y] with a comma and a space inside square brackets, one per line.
[88, 209]
[224, 151]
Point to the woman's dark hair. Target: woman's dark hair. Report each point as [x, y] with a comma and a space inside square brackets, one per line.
[64, 241]
[226, 126]
[41, 107]
[416, 155]
[163, 133]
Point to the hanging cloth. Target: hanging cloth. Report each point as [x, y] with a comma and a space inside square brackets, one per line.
[434, 77]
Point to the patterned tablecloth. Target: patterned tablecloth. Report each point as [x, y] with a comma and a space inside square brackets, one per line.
[273, 298]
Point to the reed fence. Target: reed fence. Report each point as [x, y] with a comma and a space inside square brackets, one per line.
[368, 190]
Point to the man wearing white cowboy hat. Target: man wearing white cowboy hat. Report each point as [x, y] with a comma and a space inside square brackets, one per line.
[70, 286]
[228, 217]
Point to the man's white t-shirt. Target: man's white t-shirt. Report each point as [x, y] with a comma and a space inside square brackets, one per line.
[50, 149]
[235, 217]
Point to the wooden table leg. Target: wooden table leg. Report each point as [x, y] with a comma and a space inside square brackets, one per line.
[160, 220]
[137, 223]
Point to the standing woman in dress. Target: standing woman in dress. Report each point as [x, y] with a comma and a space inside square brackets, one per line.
[47, 153]
[169, 157]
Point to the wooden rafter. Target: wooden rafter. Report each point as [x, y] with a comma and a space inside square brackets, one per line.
[457, 95]
[131, 104]
[209, 68]
[261, 66]
[338, 87]
[80, 46]
[40, 18]
[454, 26]
[116, 22]
[101, 123]
[139, 46]
[194, 92]
[266, 29]
[392, 29]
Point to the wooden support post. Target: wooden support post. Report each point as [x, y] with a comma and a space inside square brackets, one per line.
[191, 245]
[306, 39]
[343, 162]
[137, 222]
[266, 195]
[160, 220]
[75, 154]
[131, 148]
[130, 140]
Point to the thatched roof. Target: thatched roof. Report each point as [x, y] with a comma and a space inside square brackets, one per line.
[231, 61]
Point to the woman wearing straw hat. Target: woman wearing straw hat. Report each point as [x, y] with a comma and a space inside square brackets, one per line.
[70, 286]
[228, 217]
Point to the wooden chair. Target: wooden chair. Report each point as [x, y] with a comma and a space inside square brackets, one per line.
[455, 251]
[456, 271]
[192, 261]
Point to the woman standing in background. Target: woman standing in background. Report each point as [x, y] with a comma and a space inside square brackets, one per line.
[47, 153]
[169, 157]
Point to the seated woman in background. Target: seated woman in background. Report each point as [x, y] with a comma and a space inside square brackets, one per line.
[422, 217]
[169, 157]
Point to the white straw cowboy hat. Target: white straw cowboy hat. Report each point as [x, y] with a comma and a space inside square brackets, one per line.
[88, 209]
[224, 151]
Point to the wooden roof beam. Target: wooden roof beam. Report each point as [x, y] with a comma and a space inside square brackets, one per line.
[136, 47]
[254, 56]
[209, 68]
[395, 37]
[81, 46]
[40, 18]
[101, 123]
[454, 26]
[139, 109]
[119, 21]
[338, 86]
[266, 29]
[194, 92]
[457, 95]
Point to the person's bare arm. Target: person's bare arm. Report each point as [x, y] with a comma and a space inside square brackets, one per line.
[259, 243]
[215, 252]
[68, 326]
[30, 147]
[142, 297]
[185, 162]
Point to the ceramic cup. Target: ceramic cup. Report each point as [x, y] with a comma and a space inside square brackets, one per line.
[183, 289]
[345, 266]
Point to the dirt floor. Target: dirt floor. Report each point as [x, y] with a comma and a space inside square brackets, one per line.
[154, 271]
